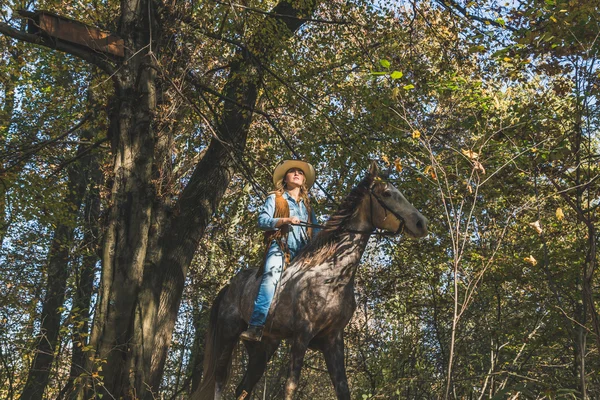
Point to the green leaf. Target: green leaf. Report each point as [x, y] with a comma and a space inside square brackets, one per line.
[397, 75]
[384, 63]
[500, 52]
[477, 49]
[408, 87]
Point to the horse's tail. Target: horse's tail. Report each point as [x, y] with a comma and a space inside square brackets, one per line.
[212, 352]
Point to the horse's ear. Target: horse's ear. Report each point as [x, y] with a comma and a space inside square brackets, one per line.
[373, 169]
[386, 174]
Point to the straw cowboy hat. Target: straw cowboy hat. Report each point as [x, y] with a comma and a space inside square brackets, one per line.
[286, 165]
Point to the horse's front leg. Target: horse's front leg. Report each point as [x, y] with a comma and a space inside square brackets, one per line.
[299, 346]
[333, 350]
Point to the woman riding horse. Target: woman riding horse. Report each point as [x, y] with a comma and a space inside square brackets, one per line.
[286, 207]
[315, 297]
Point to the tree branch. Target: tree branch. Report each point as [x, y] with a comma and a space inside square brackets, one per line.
[80, 155]
[31, 151]
[60, 45]
[454, 6]
[274, 14]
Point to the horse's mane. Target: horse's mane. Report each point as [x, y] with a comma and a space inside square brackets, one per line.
[319, 247]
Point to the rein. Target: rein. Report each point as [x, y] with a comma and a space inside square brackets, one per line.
[371, 233]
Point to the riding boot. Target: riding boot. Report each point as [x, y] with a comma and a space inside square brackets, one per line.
[253, 333]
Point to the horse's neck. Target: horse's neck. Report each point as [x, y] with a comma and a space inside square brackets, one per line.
[345, 260]
[337, 260]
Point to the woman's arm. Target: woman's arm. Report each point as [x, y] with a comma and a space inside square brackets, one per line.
[266, 222]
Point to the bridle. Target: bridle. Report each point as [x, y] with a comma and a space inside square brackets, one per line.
[386, 209]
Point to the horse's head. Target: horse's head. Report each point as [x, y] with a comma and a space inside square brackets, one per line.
[389, 210]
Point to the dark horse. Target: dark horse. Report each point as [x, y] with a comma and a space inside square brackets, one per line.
[315, 298]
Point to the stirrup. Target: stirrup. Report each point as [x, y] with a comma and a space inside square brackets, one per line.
[253, 333]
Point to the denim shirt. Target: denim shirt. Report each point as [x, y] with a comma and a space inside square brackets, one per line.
[297, 236]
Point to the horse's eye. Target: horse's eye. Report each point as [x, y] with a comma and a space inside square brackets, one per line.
[386, 194]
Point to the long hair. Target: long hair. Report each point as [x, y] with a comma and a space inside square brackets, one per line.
[280, 188]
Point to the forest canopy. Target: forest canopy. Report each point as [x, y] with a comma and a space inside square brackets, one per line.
[129, 189]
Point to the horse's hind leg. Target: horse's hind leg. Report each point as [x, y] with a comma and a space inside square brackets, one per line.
[259, 354]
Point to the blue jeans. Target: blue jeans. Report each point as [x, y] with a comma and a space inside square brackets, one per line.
[272, 272]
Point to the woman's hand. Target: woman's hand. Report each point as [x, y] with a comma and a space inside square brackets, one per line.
[294, 220]
[287, 221]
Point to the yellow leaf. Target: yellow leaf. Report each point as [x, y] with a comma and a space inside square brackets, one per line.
[385, 159]
[553, 19]
[478, 166]
[416, 134]
[531, 260]
[537, 226]
[429, 170]
[470, 153]
[398, 165]
[560, 215]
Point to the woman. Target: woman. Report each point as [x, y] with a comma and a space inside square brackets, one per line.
[286, 207]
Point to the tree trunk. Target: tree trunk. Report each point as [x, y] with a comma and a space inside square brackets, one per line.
[58, 273]
[197, 359]
[126, 236]
[132, 196]
[82, 296]
[579, 348]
